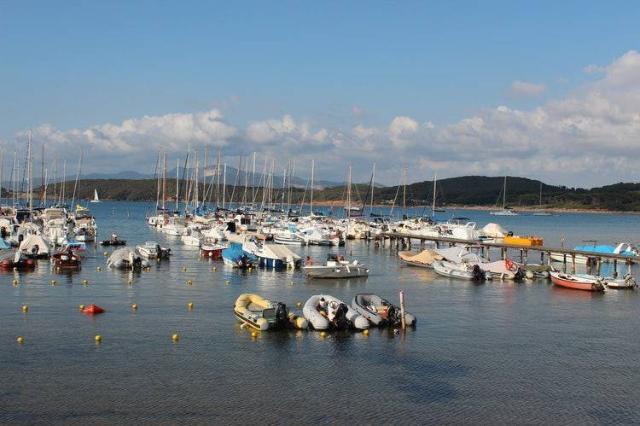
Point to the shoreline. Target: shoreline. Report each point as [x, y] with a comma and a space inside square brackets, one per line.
[523, 209]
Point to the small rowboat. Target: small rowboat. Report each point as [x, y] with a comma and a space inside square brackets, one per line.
[577, 282]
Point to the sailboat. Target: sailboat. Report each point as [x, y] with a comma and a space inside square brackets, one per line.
[434, 210]
[541, 212]
[95, 196]
[505, 211]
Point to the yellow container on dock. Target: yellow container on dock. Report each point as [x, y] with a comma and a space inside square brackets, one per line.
[528, 240]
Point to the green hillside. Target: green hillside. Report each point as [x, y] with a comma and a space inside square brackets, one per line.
[459, 191]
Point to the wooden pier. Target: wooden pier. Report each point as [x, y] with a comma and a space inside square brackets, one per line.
[594, 259]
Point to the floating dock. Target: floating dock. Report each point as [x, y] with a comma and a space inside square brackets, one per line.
[594, 259]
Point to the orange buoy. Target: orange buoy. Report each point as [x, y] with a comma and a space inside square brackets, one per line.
[92, 310]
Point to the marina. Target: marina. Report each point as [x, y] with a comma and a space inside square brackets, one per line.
[179, 313]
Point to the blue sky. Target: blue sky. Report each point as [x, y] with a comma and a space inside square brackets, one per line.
[331, 65]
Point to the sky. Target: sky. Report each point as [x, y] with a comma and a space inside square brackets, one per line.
[547, 90]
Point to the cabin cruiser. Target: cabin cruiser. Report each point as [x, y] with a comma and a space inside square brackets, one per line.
[272, 256]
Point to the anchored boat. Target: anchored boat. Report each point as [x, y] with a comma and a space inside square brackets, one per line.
[424, 259]
[463, 271]
[336, 267]
[262, 314]
[326, 312]
[380, 312]
[577, 282]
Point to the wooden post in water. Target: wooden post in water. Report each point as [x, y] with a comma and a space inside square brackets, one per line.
[526, 257]
[564, 263]
[573, 263]
[402, 320]
[615, 268]
[598, 263]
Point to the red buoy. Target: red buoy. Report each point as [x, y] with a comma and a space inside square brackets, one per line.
[92, 309]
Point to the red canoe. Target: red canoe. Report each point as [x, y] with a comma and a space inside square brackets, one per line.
[576, 282]
[92, 309]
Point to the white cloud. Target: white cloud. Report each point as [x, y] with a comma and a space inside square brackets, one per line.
[589, 137]
[526, 89]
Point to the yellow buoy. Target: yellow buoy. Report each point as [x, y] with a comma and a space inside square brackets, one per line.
[98, 269]
[323, 334]
[20, 340]
[190, 306]
[53, 282]
[299, 305]
[189, 282]
[58, 269]
[214, 269]
[81, 307]
[130, 281]
[85, 282]
[254, 334]
[98, 338]
[14, 282]
[134, 306]
[175, 337]
[365, 332]
[184, 269]
[25, 308]
[226, 282]
[106, 253]
[250, 268]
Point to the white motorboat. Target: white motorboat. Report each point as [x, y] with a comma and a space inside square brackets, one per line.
[463, 271]
[152, 250]
[336, 267]
[620, 283]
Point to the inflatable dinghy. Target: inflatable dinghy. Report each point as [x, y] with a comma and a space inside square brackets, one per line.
[380, 312]
[262, 314]
[317, 311]
[125, 258]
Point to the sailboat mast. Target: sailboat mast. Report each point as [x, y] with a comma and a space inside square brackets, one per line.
[224, 184]
[349, 194]
[178, 185]
[433, 200]
[164, 179]
[64, 182]
[253, 179]
[504, 194]
[30, 174]
[373, 185]
[313, 164]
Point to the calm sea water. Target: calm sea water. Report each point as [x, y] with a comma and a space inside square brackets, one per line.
[490, 353]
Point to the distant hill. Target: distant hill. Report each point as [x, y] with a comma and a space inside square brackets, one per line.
[459, 191]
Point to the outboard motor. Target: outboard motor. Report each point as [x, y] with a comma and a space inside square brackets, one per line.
[137, 263]
[478, 274]
[520, 274]
[340, 321]
[282, 319]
